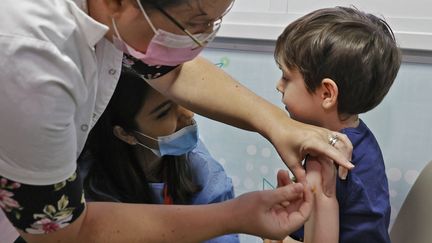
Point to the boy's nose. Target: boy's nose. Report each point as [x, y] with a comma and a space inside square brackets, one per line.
[279, 86]
[185, 117]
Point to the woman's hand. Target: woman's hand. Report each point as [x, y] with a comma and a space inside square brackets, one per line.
[294, 140]
[273, 214]
[323, 223]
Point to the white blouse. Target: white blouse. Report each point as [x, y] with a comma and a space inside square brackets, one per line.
[57, 74]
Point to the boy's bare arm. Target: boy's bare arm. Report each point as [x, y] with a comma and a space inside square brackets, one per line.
[323, 224]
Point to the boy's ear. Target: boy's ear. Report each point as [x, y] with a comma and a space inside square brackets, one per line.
[329, 93]
[121, 134]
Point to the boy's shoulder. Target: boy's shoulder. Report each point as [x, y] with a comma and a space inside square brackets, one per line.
[366, 150]
[359, 134]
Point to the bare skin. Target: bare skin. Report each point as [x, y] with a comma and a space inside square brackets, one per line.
[323, 224]
[161, 223]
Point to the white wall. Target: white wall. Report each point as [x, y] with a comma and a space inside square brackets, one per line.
[265, 19]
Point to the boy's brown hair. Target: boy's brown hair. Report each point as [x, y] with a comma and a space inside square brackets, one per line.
[357, 50]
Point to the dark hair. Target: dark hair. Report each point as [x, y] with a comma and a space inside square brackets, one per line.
[116, 171]
[355, 49]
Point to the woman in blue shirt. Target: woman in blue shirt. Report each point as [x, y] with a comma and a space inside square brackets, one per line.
[145, 149]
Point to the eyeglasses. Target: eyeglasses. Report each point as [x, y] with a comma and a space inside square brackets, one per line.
[216, 24]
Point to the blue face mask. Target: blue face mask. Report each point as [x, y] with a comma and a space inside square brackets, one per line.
[178, 143]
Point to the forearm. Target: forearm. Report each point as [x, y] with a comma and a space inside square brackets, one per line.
[209, 91]
[324, 225]
[119, 222]
[158, 223]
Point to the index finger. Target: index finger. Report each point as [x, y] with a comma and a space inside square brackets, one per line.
[283, 178]
[299, 173]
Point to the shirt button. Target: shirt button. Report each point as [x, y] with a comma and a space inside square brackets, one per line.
[84, 127]
[112, 71]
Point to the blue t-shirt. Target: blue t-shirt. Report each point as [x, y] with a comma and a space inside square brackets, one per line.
[364, 204]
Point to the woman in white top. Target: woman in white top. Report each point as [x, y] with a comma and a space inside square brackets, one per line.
[60, 62]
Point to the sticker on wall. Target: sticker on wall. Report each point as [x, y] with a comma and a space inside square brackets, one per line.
[223, 62]
[267, 185]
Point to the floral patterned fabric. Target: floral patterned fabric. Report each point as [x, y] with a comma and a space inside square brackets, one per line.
[42, 209]
[145, 71]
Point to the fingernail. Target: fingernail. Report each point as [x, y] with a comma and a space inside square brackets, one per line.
[342, 173]
[344, 176]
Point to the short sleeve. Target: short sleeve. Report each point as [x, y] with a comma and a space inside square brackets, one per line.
[41, 89]
[42, 209]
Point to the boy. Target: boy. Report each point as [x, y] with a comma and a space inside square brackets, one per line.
[337, 63]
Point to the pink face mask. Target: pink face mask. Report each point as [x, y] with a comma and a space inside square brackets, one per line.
[165, 48]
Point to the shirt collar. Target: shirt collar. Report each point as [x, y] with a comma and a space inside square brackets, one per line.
[93, 30]
[82, 4]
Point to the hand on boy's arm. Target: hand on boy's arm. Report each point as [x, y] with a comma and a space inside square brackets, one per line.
[278, 212]
[294, 140]
[283, 179]
[323, 224]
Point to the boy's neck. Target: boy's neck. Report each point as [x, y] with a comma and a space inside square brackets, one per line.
[343, 122]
